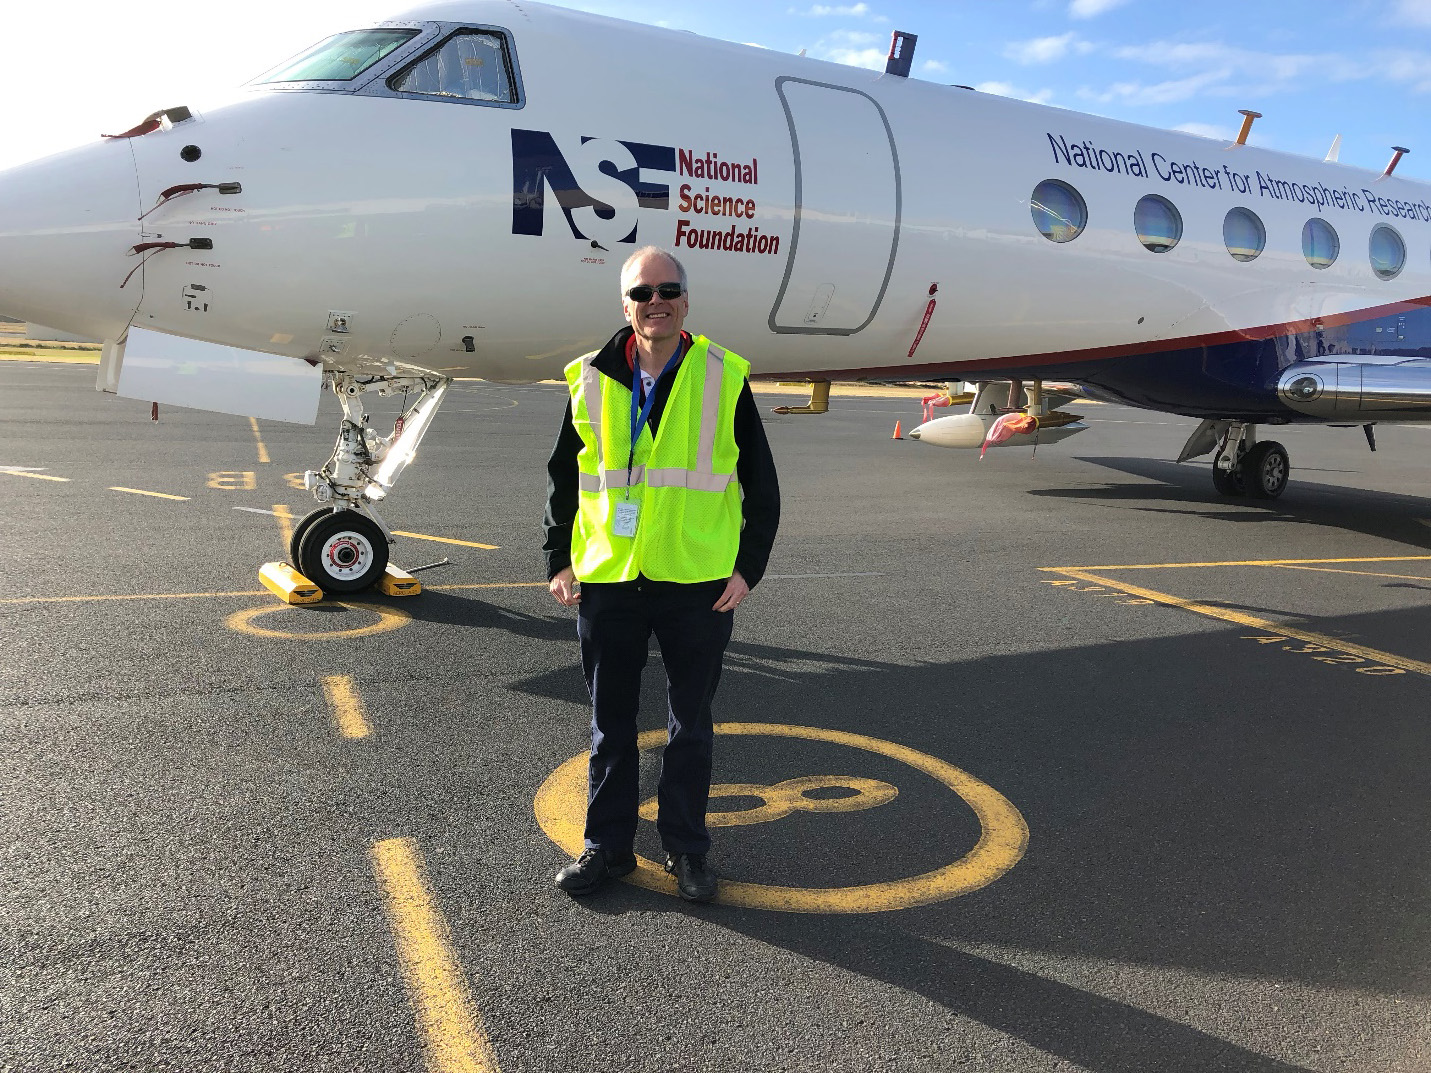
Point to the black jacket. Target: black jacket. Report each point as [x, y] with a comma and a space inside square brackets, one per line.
[754, 468]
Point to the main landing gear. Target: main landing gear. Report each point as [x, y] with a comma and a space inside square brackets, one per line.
[342, 546]
[1244, 466]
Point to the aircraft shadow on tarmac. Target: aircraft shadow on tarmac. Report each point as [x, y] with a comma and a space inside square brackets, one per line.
[1248, 823]
[1387, 515]
[464, 609]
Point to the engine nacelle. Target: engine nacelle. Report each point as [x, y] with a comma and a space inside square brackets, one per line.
[1357, 392]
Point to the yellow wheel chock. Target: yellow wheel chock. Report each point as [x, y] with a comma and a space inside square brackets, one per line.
[398, 582]
[288, 584]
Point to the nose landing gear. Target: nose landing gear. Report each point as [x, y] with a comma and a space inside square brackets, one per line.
[343, 545]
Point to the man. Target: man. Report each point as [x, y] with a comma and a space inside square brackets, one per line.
[662, 502]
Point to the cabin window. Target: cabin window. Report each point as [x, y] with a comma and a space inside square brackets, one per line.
[1244, 234]
[1388, 252]
[340, 58]
[1058, 211]
[1158, 223]
[1320, 245]
[471, 65]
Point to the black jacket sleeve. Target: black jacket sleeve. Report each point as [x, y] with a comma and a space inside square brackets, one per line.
[755, 469]
[562, 483]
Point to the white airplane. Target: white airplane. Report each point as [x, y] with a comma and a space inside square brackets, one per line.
[450, 193]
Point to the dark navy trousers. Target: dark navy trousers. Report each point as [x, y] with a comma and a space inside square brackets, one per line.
[615, 623]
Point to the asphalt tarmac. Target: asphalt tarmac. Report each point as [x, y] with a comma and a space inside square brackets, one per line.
[1143, 819]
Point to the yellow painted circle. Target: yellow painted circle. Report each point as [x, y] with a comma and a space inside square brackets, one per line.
[560, 807]
[389, 618]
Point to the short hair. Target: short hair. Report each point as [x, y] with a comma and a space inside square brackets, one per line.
[646, 251]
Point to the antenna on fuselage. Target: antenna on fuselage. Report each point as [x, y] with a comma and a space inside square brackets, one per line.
[1398, 153]
[901, 53]
[1335, 151]
[1247, 118]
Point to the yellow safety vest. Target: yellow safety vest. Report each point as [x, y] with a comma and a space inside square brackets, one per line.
[682, 482]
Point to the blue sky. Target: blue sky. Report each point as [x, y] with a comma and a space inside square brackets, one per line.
[1359, 68]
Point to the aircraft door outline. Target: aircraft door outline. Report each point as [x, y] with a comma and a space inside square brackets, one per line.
[837, 193]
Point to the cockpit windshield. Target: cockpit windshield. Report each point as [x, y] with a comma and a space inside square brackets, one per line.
[471, 65]
[340, 58]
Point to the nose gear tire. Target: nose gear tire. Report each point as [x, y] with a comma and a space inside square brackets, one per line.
[343, 552]
[295, 542]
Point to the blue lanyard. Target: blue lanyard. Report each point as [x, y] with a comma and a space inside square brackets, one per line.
[639, 413]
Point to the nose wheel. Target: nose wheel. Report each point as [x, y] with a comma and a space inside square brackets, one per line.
[300, 530]
[339, 551]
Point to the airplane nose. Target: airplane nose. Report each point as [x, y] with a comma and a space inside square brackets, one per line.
[66, 224]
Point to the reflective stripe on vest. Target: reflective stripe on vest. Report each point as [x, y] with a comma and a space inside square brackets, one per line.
[703, 478]
[654, 478]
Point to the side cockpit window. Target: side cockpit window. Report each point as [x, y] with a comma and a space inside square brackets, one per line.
[341, 58]
[471, 65]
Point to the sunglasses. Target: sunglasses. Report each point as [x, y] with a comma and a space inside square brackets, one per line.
[645, 292]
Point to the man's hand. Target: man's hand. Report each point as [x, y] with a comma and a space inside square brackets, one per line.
[563, 587]
[736, 590]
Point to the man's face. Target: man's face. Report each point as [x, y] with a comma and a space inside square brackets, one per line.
[659, 320]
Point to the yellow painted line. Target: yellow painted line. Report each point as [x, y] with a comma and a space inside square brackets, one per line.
[127, 596]
[1358, 573]
[389, 618]
[451, 1027]
[262, 450]
[142, 492]
[285, 522]
[446, 540]
[1250, 562]
[560, 808]
[36, 476]
[347, 706]
[225, 595]
[1241, 618]
[494, 585]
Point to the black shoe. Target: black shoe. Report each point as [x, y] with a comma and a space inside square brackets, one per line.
[695, 881]
[593, 868]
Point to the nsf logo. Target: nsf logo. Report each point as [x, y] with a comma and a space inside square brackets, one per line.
[600, 183]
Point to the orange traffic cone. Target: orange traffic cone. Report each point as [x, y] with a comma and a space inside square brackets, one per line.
[896, 435]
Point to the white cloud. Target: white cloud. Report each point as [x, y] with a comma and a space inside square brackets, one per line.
[1411, 69]
[1046, 49]
[1168, 92]
[1006, 89]
[872, 58]
[822, 10]
[933, 67]
[1416, 12]
[857, 48]
[1087, 9]
[1206, 130]
[851, 37]
[1215, 69]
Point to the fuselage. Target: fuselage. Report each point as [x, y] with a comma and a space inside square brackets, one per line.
[817, 208]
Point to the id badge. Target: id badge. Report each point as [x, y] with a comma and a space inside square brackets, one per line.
[626, 515]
